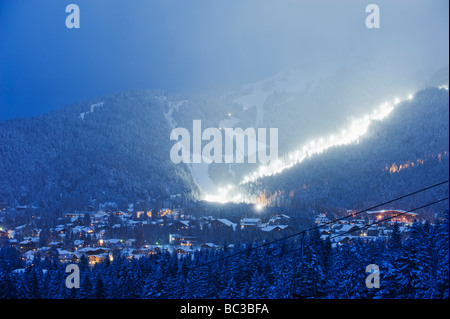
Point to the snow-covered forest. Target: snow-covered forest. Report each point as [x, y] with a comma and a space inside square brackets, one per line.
[412, 267]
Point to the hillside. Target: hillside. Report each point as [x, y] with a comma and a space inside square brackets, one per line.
[116, 148]
[406, 151]
[111, 149]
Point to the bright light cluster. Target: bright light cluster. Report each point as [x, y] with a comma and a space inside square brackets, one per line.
[356, 129]
[223, 195]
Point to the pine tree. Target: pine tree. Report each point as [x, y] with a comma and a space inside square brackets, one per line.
[7, 286]
[231, 291]
[98, 290]
[32, 283]
[442, 266]
[85, 287]
[409, 265]
[258, 286]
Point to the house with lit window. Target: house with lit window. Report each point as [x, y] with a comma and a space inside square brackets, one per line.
[250, 223]
[64, 256]
[321, 219]
[222, 224]
[4, 234]
[28, 244]
[281, 219]
[209, 246]
[179, 240]
[180, 225]
[277, 229]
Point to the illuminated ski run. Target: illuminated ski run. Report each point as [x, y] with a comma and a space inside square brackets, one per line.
[351, 134]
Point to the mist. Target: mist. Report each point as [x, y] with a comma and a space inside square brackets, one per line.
[192, 46]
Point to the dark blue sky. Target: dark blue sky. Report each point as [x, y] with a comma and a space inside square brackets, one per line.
[188, 45]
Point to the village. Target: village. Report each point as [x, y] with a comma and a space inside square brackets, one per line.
[99, 236]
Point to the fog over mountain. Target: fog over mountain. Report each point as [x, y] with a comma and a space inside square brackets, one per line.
[116, 148]
[88, 113]
[193, 46]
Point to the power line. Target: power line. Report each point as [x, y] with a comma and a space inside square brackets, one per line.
[247, 263]
[317, 227]
[352, 230]
[388, 218]
[324, 224]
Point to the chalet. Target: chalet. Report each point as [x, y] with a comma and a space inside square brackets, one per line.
[321, 219]
[112, 242]
[178, 212]
[341, 240]
[60, 229]
[250, 223]
[64, 255]
[93, 255]
[349, 229]
[28, 244]
[94, 259]
[79, 243]
[129, 242]
[153, 249]
[90, 251]
[180, 225]
[79, 230]
[48, 252]
[178, 240]
[165, 212]
[281, 219]
[185, 250]
[13, 242]
[222, 224]
[29, 256]
[4, 234]
[277, 229]
[209, 246]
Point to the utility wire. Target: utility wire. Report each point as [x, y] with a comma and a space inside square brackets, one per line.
[283, 253]
[324, 224]
[317, 227]
[353, 230]
[388, 218]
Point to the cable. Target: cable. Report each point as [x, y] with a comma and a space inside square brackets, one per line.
[324, 224]
[317, 227]
[353, 230]
[248, 263]
[388, 218]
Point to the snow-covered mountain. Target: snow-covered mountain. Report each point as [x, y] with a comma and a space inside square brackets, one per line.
[111, 149]
[117, 147]
[406, 151]
[304, 104]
